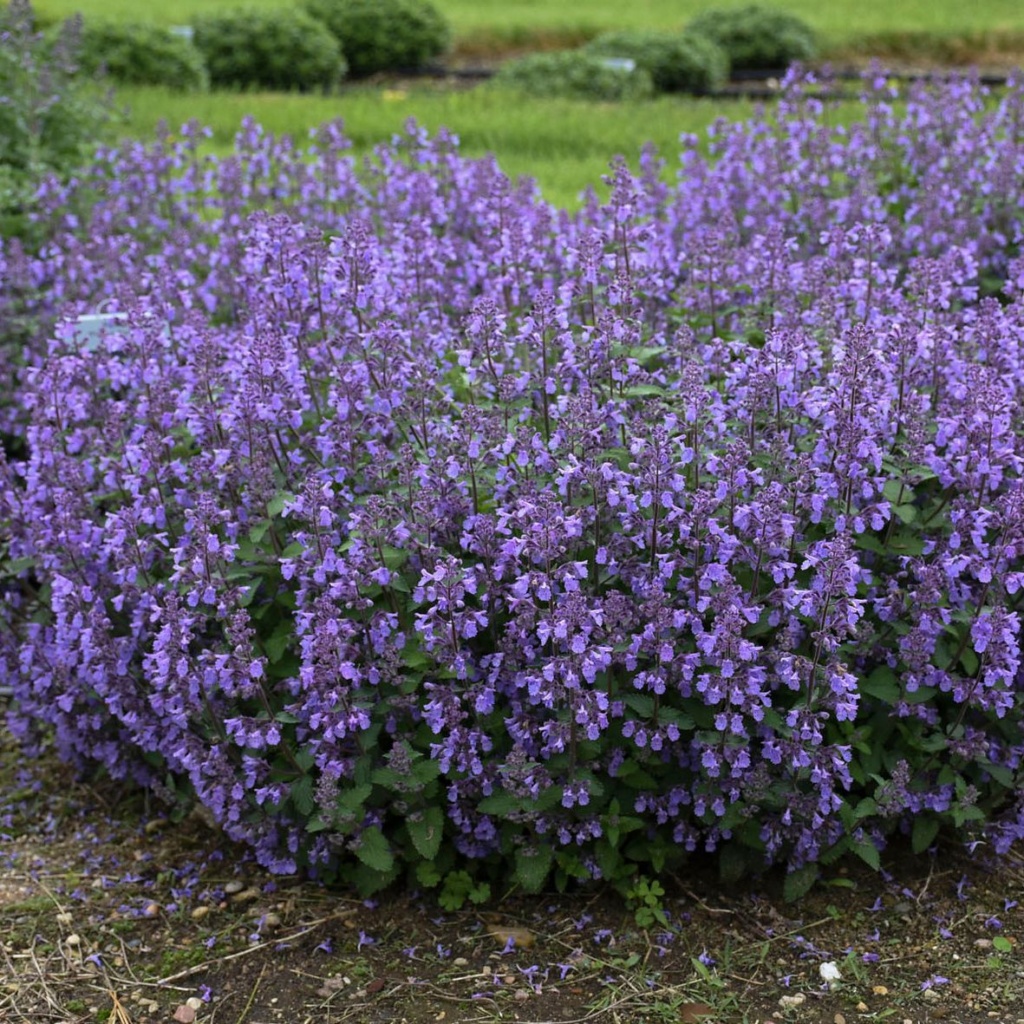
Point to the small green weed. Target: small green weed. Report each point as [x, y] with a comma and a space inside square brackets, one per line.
[644, 898]
[459, 887]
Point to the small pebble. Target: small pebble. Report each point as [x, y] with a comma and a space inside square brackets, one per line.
[879, 990]
[931, 995]
[73, 940]
[983, 943]
[194, 1003]
[151, 909]
[233, 887]
[791, 1002]
[64, 918]
[460, 961]
[200, 912]
[861, 1007]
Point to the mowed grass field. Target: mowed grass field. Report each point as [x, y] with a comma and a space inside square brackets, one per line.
[565, 145]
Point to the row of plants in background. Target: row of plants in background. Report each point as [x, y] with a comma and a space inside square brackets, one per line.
[699, 60]
[307, 48]
[415, 528]
[315, 46]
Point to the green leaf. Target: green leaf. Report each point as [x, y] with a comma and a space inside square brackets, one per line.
[1002, 944]
[868, 853]
[841, 883]
[302, 795]
[278, 642]
[642, 704]
[970, 661]
[426, 770]
[277, 503]
[643, 391]
[905, 513]
[896, 492]
[865, 809]
[426, 832]
[374, 851]
[369, 880]
[259, 531]
[500, 804]
[395, 558]
[18, 565]
[427, 874]
[480, 893]
[1003, 775]
[799, 883]
[882, 685]
[354, 798]
[532, 867]
[924, 832]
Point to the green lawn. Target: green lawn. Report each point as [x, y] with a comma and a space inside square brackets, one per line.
[839, 21]
[564, 144]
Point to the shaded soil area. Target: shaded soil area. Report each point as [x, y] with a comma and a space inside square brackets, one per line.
[111, 912]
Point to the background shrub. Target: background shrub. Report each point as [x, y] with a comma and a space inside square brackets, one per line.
[574, 74]
[139, 54]
[265, 49]
[50, 114]
[757, 38]
[688, 62]
[384, 35]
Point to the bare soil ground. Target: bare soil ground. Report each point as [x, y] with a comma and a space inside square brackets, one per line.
[110, 912]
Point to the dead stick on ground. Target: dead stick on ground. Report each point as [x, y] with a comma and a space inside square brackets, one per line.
[199, 968]
[120, 1013]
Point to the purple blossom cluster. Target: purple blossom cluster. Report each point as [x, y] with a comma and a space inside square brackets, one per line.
[407, 506]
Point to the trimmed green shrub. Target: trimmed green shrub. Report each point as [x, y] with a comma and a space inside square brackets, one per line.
[757, 38]
[384, 35]
[676, 63]
[576, 75]
[259, 49]
[137, 54]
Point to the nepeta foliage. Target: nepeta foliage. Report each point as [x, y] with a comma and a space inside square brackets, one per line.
[439, 528]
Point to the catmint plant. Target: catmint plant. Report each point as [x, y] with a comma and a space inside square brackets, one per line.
[413, 527]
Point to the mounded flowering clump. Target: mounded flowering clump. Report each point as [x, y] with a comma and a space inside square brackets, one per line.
[413, 522]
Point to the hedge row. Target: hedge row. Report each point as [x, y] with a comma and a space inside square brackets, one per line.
[627, 64]
[312, 47]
